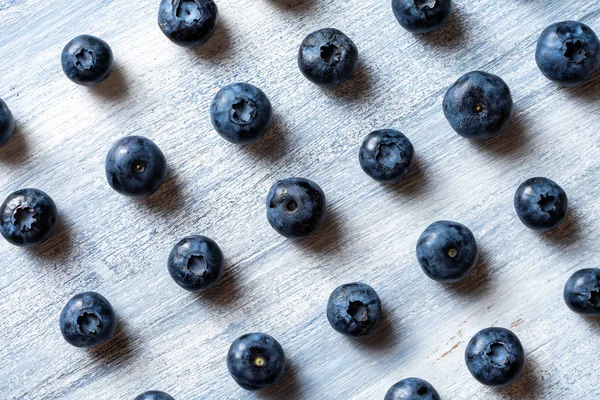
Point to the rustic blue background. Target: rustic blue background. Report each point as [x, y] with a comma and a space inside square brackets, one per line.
[175, 341]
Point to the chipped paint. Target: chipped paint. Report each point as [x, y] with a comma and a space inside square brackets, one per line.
[450, 351]
[517, 322]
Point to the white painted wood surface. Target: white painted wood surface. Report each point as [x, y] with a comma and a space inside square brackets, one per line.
[171, 340]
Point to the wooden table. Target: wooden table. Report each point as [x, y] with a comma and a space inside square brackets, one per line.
[175, 341]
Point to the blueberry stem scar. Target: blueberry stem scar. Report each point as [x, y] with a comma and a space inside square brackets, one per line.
[575, 51]
[421, 4]
[498, 352]
[24, 218]
[331, 53]
[358, 311]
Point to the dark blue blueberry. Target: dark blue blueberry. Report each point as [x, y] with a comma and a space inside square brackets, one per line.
[386, 155]
[256, 361]
[421, 16]
[412, 389]
[87, 60]
[154, 395]
[478, 105]
[241, 113]
[582, 292]
[196, 263]
[495, 357]
[296, 207]
[188, 23]
[354, 309]
[541, 204]
[447, 251]
[87, 320]
[7, 123]
[28, 217]
[568, 53]
[135, 167]
[327, 57]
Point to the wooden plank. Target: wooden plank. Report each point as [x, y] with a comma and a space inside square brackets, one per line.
[175, 341]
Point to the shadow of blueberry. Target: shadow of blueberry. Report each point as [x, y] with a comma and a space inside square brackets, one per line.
[588, 91]
[167, 199]
[289, 387]
[218, 46]
[113, 87]
[59, 247]
[272, 146]
[225, 293]
[117, 349]
[296, 6]
[528, 385]
[477, 284]
[16, 150]
[382, 339]
[414, 183]
[593, 321]
[329, 236]
[357, 89]
[452, 34]
[569, 232]
[513, 141]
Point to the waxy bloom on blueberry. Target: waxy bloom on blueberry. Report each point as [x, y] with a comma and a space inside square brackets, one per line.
[87, 60]
[328, 57]
[28, 217]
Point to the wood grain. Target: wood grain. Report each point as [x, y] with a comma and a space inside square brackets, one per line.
[175, 341]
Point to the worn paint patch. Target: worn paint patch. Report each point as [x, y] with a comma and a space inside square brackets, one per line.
[516, 323]
[451, 350]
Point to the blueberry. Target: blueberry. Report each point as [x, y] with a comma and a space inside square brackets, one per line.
[582, 292]
[354, 309]
[188, 23]
[296, 207]
[28, 217]
[256, 361]
[7, 123]
[154, 395]
[327, 57]
[412, 389]
[241, 113]
[421, 16]
[541, 204]
[87, 320]
[478, 105]
[447, 251]
[87, 60]
[568, 53]
[386, 155]
[495, 357]
[196, 263]
[135, 167]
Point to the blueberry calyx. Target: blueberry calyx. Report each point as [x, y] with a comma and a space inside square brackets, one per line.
[188, 11]
[197, 265]
[421, 4]
[85, 59]
[243, 111]
[88, 322]
[547, 203]
[358, 311]
[594, 297]
[574, 51]
[330, 53]
[389, 155]
[24, 218]
[498, 353]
